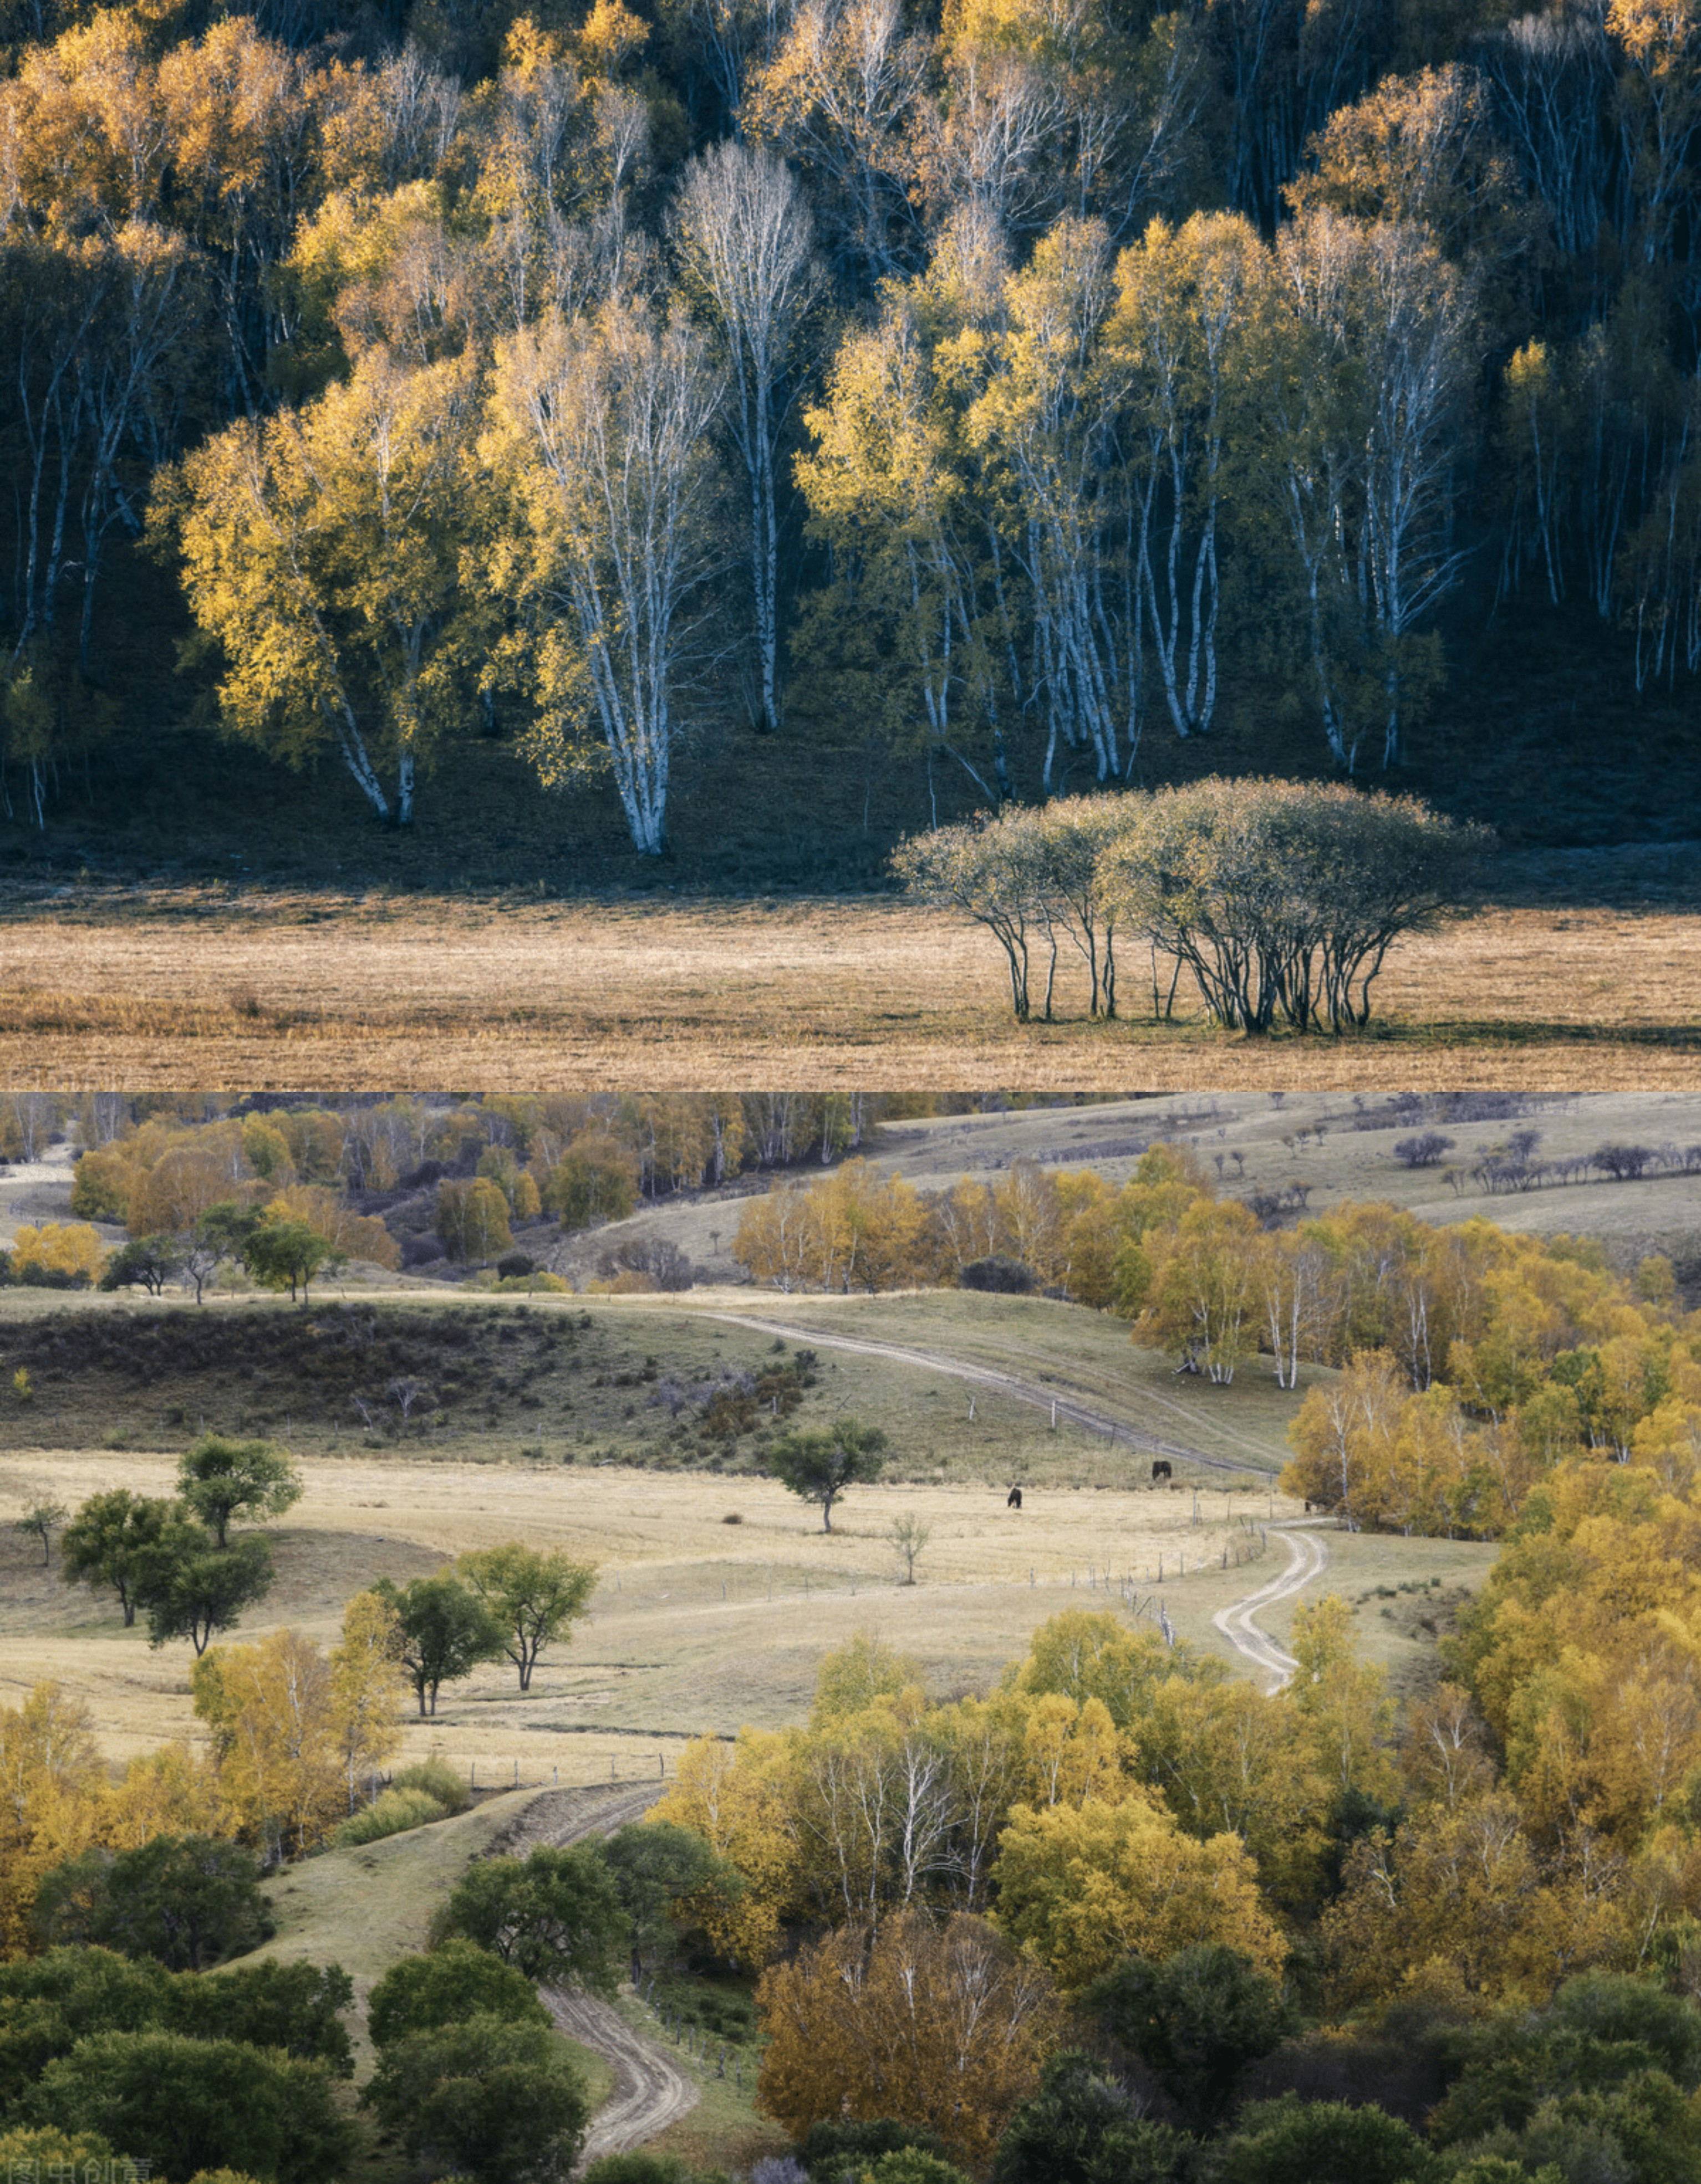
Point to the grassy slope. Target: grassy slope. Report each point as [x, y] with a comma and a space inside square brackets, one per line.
[366, 1908]
[529, 1376]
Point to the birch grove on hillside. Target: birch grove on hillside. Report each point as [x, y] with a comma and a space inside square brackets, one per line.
[1037, 390]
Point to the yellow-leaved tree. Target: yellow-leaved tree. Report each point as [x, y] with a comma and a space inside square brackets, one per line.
[320, 550]
[58, 1800]
[295, 1734]
[67, 1251]
[1078, 1886]
[733, 1796]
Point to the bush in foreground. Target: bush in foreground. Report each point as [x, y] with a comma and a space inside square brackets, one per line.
[186, 1900]
[446, 1986]
[392, 1812]
[186, 2105]
[487, 2098]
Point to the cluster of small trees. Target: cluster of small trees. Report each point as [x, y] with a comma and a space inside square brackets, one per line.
[1279, 899]
[173, 1561]
[278, 1193]
[1515, 1166]
[508, 1601]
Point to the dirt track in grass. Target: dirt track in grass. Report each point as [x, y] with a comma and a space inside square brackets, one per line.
[200, 989]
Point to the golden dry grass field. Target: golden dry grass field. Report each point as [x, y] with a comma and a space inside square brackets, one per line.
[697, 1623]
[151, 988]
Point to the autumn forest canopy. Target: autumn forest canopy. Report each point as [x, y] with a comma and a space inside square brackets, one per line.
[979, 402]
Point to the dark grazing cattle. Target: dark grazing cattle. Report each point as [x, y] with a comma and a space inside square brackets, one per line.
[1161, 1470]
[1015, 1498]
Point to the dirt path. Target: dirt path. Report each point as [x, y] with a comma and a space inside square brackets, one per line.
[1307, 1559]
[1067, 1407]
[650, 2091]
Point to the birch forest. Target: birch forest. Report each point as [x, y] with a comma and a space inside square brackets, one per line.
[1043, 395]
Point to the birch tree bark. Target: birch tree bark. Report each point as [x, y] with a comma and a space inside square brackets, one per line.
[745, 237]
[609, 423]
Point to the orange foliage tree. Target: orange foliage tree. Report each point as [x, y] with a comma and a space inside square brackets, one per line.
[938, 2025]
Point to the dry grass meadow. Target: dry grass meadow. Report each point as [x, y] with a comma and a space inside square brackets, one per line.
[698, 1624]
[719, 1590]
[157, 988]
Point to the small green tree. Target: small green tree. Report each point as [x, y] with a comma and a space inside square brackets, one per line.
[1197, 2019]
[447, 1630]
[283, 1254]
[446, 1986]
[221, 1234]
[49, 2002]
[193, 1588]
[533, 1593]
[39, 1522]
[1084, 2126]
[1295, 2142]
[222, 1479]
[110, 1541]
[145, 1262]
[297, 2007]
[555, 1916]
[658, 1868]
[186, 1900]
[487, 2098]
[817, 1463]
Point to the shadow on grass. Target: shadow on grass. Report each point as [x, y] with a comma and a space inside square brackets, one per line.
[1391, 1031]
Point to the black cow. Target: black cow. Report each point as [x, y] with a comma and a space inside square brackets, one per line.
[1015, 1498]
[1161, 1470]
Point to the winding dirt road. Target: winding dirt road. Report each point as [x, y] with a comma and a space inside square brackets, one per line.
[1006, 1384]
[1307, 1559]
[650, 2091]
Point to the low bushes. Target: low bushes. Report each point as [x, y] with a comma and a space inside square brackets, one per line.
[390, 1814]
[438, 1780]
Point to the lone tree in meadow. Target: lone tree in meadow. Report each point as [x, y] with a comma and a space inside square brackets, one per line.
[221, 1480]
[40, 1523]
[907, 1538]
[532, 1596]
[289, 1255]
[818, 1463]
